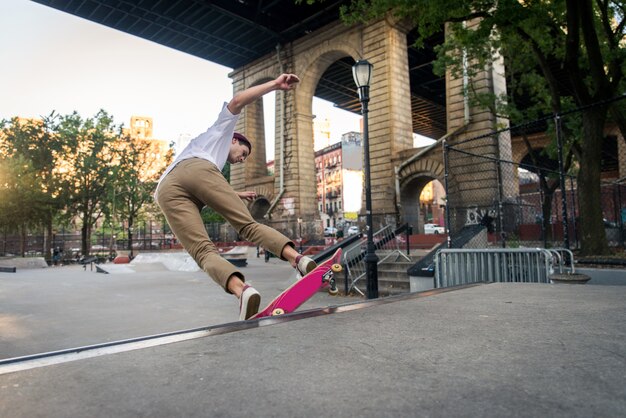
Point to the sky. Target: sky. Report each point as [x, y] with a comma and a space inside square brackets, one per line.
[54, 61]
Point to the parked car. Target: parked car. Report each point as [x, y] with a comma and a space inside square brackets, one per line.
[353, 230]
[330, 231]
[434, 229]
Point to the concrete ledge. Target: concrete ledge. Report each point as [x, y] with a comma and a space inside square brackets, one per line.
[24, 262]
[569, 278]
[421, 283]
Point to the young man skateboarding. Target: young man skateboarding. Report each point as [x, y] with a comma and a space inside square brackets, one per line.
[195, 180]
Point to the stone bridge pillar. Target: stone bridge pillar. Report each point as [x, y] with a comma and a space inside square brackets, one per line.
[390, 120]
[477, 183]
[293, 195]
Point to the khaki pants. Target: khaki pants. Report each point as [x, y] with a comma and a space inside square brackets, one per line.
[193, 184]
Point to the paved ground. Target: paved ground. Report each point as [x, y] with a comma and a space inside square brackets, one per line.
[605, 276]
[55, 308]
[487, 350]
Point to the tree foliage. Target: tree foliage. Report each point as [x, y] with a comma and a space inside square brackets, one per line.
[136, 172]
[87, 166]
[66, 169]
[31, 191]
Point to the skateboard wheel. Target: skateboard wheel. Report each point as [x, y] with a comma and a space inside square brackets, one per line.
[278, 311]
[336, 268]
[332, 291]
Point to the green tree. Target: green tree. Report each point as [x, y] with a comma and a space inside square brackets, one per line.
[138, 166]
[32, 195]
[87, 166]
[17, 203]
[562, 54]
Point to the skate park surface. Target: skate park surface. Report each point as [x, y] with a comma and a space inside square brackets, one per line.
[156, 342]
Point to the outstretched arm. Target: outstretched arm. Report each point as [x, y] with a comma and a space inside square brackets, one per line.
[244, 98]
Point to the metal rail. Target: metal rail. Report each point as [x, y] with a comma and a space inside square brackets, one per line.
[562, 256]
[386, 239]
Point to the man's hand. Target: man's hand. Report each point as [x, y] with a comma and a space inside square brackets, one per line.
[287, 81]
[249, 195]
[244, 98]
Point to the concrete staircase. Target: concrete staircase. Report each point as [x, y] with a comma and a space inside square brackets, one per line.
[393, 278]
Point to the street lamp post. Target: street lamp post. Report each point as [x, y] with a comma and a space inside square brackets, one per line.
[362, 73]
[300, 227]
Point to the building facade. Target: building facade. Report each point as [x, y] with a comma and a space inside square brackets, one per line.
[339, 181]
[329, 185]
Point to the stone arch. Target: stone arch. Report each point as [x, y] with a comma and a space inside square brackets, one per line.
[311, 67]
[423, 166]
[346, 44]
[259, 207]
[315, 66]
[413, 178]
[520, 150]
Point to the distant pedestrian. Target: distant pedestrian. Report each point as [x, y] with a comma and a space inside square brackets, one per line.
[195, 180]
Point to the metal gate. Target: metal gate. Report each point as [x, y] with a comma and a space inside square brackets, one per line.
[522, 265]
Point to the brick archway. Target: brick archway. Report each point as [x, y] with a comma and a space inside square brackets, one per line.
[412, 180]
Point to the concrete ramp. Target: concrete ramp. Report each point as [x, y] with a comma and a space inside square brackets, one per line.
[147, 262]
[175, 261]
[179, 261]
[23, 262]
[497, 350]
[130, 268]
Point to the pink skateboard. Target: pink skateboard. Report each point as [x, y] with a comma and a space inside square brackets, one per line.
[302, 290]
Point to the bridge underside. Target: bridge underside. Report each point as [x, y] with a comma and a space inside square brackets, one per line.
[236, 33]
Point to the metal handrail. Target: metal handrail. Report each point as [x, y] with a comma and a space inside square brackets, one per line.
[569, 252]
[354, 258]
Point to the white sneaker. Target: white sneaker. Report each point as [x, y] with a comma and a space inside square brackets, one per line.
[248, 303]
[305, 265]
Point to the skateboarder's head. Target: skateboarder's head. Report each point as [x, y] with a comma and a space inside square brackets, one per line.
[239, 149]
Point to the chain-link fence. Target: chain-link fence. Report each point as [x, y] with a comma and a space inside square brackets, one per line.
[514, 182]
[66, 247]
[614, 211]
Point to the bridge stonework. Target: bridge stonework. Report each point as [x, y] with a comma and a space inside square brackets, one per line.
[473, 179]
[384, 44]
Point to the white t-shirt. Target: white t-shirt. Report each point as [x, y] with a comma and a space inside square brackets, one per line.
[212, 145]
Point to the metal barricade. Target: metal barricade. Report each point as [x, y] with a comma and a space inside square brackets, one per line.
[562, 257]
[354, 261]
[521, 265]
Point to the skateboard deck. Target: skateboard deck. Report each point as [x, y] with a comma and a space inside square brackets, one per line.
[302, 290]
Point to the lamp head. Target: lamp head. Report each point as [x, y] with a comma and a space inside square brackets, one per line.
[362, 73]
